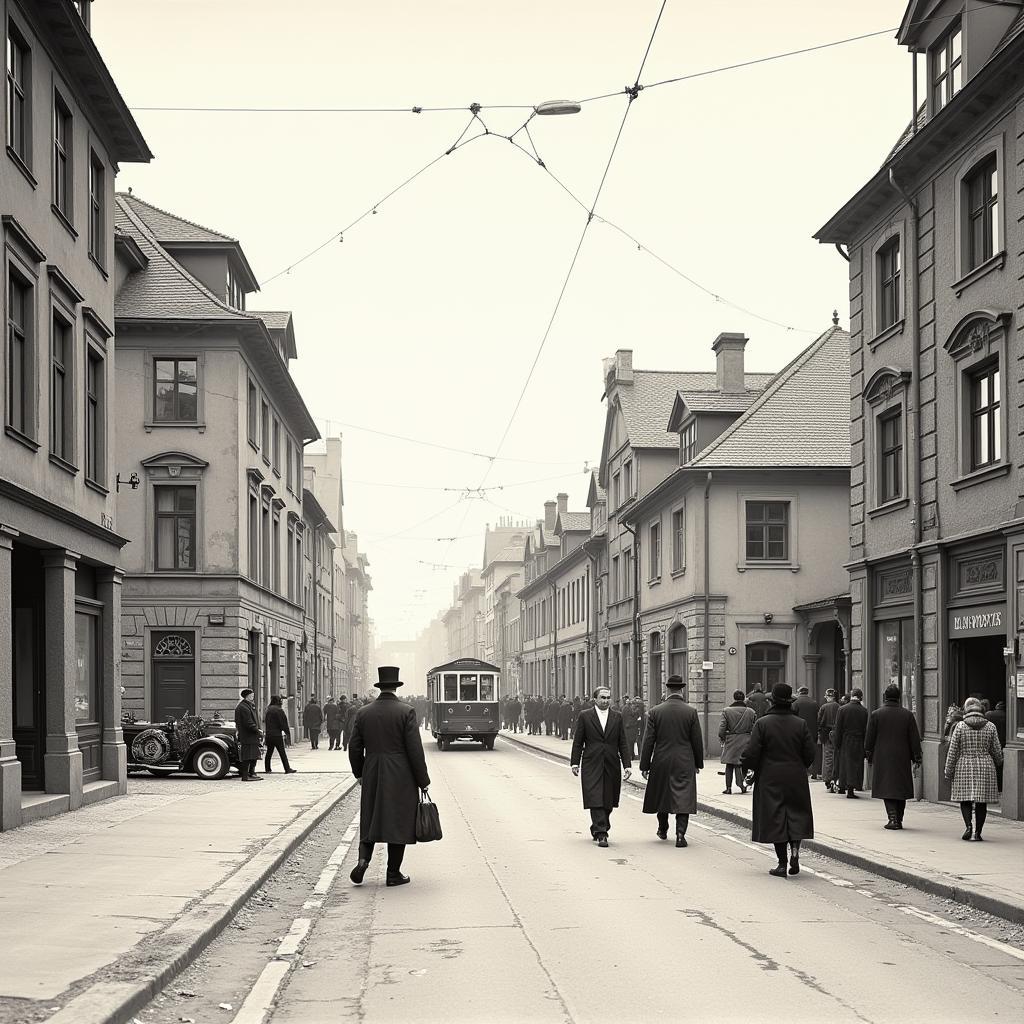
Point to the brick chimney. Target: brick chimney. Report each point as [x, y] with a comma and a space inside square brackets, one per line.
[618, 370]
[728, 349]
[563, 502]
[550, 511]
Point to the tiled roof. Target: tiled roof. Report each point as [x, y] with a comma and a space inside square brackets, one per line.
[647, 402]
[274, 319]
[574, 521]
[718, 401]
[167, 227]
[801, 419]
[498, 541]
[510, 553]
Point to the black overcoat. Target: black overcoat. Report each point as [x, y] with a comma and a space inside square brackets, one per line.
[247, 731]
[386, 752]
[892, 742]
[333, 717]
[276, 722]
[312, 717]
[807, 708]
[848, 736]
[779, 753]
[599, 752]
[673, 750]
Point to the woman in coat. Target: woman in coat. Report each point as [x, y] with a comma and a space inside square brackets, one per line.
[779, 753]
[891, 745]
[733, 733]
[974, 752]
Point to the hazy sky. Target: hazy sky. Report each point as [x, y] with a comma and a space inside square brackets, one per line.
[424, 322]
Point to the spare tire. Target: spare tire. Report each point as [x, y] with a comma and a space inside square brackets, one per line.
[151, 747]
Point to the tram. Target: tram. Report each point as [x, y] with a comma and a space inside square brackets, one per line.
[463, 699]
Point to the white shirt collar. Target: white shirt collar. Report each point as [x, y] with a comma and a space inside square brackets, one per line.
[602, 715]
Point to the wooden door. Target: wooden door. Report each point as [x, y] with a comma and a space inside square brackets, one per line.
[174, 676]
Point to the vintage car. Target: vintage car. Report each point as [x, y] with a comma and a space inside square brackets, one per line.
[188, 744]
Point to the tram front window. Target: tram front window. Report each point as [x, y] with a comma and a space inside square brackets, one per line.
[487, 687]
[451, 687]
[467, 688]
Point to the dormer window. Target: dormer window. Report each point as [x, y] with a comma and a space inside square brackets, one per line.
[947, 67]
[688, 442]
[235, 292]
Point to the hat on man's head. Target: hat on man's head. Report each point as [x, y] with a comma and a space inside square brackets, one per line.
[802, 690]
[782, 693]
[675, 682]
[387, 678]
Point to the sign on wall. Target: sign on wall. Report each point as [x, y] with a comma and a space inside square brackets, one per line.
[982, 620]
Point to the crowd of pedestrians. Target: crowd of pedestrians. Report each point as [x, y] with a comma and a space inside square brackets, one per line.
[536, 715]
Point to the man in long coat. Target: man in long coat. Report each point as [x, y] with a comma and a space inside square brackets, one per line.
[807, 708]
[826, 723]
[848, 736]
[248, 735]
[734, 734]
[757, 700]
[386, 754]
[673, 753]
[333, 721]
[312, 720]
[891, 745]
[598, 747]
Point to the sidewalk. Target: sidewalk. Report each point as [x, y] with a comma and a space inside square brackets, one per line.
[129, 889]
[927, 854]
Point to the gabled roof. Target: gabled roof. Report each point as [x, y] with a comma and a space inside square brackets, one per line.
[498, 543]
[802, 419]
[280, 322]
[569, 522]
[596, 494]
[693, 402]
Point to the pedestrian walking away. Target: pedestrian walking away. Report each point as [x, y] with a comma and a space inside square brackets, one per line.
[248, 736]
[974, 753]
[312, 720]
[386, 754]
[672, 755]
[757, 700]
[808, 708]
[598, 748]
[780, 751]
[826, 723]
[733, 734]
[333, 722]
[892, 746]
[848, 737]
[278, 734]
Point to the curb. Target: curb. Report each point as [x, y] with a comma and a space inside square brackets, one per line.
[181, 943]
[950, 890]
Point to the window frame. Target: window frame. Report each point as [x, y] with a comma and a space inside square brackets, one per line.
[23, 426]
[764, 665]
[791, 498]
[94, 434]
[678, 519]
[65, 454]
[990, 414]
[891, 454]
[983, 210]
[265, 429]
[688, 441]
[965, 273]
[175, 515]
[175, 420]
[766, 524]
[63, 169]
[939, 79]
[97, 201]
[888, 270]
[654, 550]
[18, 96]
[253, 413]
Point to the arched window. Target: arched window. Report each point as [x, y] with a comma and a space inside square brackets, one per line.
[656, 656]
[677, 650]
[766, 665]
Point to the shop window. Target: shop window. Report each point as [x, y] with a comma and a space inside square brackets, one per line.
[896, 658]
[87, 703]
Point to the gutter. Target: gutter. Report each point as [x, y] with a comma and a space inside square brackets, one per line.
[707, 604]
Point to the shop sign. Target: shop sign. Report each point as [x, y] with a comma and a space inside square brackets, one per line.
[983, 620]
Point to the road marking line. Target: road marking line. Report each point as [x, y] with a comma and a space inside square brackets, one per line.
[257, 1002]
[956, 929]
[325, 881]
[296, 936]
[312, 904]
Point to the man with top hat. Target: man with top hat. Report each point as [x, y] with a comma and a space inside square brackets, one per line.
[673, 753]
[386, 755]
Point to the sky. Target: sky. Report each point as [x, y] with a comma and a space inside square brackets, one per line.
[425, 320]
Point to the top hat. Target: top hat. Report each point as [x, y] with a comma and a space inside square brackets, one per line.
[674, 682]
[782, 693]
[387, 677]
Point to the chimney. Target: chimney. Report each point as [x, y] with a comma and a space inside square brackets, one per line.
[728, 349]
[550, 510]
[563, 502]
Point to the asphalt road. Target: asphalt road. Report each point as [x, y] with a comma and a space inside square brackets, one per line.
[517, 916]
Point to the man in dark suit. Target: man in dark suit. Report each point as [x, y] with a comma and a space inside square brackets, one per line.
[248, 736]
[598, 746]
[673, 753]
[848, 736]
[807, 708]
[386, 754]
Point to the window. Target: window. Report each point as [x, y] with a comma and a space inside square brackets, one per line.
[20, 358]
[19, 67]
[253, 411]
[451, 687]
[627, 574]
[613, 581]
[289, 474]
[677, 651]
[87, 705]
[655, 662]
[175, 397]
[254, 537]
[655, 548]
[896, 657]
[767, 530]
[62, 139]
[276, 449]
[688, 442]
[235, 292]
[97, 208]
[986, 434]
[981, 219]
[95, 416]
[175, 528]
[62, 394]
[946, 66]
[265, 431]
[890, 456]
[766, 664]
[888, 262]
[617, 489]
[467, 687]
[627, 481]
[678, 539]
[265, 562]
[276, 556]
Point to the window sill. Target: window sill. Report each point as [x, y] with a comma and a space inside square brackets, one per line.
[16, 435]
[253, 445]
[176, 572]
[654, 581]
[62, 463]
[887, 507]
[64, 219]
[95, 485]
[150, 425]
[99, 266]
[766, 564]
[22, 166]
[980, 476]
[996, 262]
[677, 573]
[277, 473]
[893, 331]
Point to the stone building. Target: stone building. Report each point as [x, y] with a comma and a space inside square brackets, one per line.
[358, 585]
[67, 130]
[936, 257]
[317, 676]
[504, 546]
[212, 425]
[536, 606]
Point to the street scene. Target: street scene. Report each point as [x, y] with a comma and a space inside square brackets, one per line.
[365, 655]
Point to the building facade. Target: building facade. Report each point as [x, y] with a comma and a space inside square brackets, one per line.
[936, 256]
[358, 585]
[67, 130]
[317, 677]
[504, 548]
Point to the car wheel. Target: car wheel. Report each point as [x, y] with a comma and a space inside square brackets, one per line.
[211, 763]
[161, 773]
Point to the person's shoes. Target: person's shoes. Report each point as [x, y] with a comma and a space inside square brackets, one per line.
[780, 871]
[967, 833]
[743, 790]
[794, 865]
[358, 871]
[662, 833]
[255, 778]
[246, 778]
[397, 879]
[890, 824]
[977, 837]
[290, 771]
[727, 792]
[680, 839]
[602, 841]
[850, 795]
[268, 771]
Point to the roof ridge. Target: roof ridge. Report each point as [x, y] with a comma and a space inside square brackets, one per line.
[178, 217]
[783, 377]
